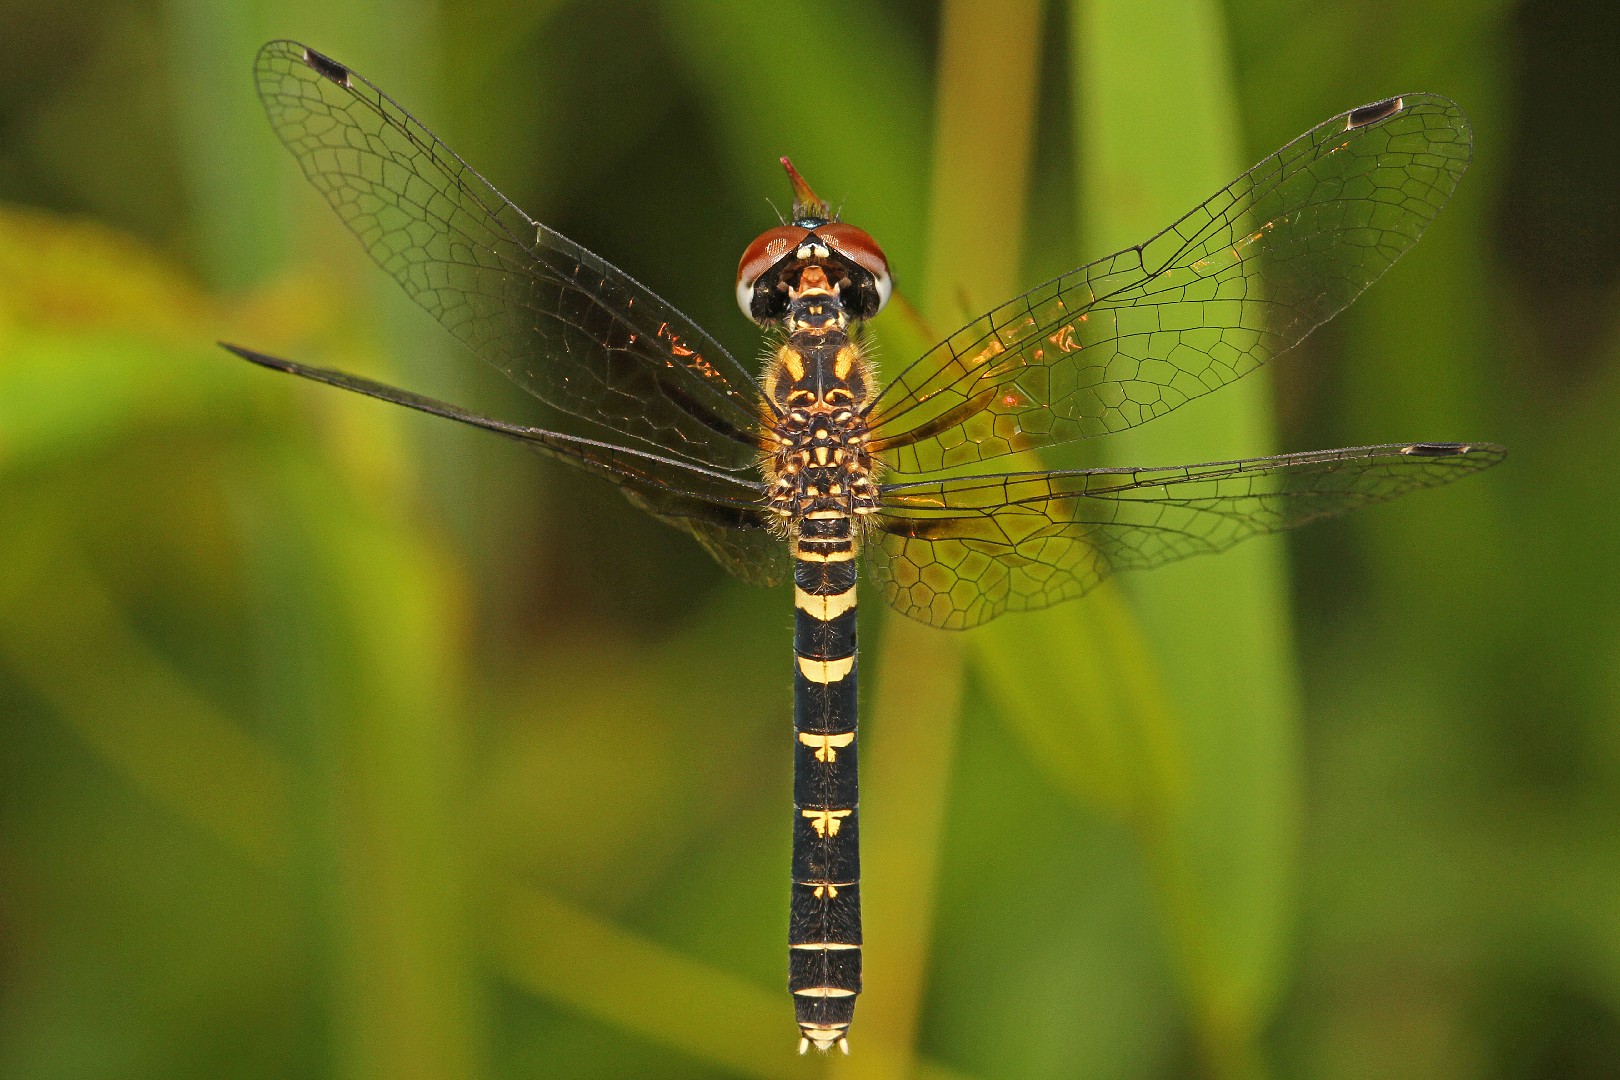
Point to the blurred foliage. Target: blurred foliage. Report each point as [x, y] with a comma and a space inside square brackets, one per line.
[334, 743]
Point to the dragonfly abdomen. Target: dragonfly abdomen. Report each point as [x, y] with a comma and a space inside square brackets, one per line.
[824, 925]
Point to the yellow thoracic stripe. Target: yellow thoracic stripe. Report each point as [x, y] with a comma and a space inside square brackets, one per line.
[792, 361]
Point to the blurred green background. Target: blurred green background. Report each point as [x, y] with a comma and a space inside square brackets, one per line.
[337, 742]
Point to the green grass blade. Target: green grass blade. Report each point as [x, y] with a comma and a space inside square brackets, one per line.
[872, 148]
[1157, 133]
[129, 704]
[579, 960]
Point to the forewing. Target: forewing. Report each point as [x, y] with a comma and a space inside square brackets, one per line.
[725, 513]
[956, 553]
[566, 325]
[1245, 276]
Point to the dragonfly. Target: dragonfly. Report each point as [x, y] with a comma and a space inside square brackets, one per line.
[812, 465]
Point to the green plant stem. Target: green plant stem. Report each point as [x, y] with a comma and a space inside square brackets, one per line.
[1157, 132]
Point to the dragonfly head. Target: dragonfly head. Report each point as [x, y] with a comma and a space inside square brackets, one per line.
[770, 273]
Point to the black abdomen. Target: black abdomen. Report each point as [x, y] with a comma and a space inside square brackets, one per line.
[824, 926]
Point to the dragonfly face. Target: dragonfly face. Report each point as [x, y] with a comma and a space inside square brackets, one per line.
[780, 472]
[850, 257]
[855, 267]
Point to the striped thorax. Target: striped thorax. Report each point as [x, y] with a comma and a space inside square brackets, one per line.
[820, 472]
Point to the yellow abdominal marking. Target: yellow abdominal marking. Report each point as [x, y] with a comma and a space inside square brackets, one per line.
[829, 890]
[826, 822]
[825, 992]
[827, 671]
[811, 555]
[829, 744]
[823, 946]
[824, 1035]
[823, 608]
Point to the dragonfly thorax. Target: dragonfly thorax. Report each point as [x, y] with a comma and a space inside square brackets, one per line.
[820, 471]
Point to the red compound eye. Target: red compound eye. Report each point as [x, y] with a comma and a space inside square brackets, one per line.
[847, 241]
[858, 247]
[765, 252]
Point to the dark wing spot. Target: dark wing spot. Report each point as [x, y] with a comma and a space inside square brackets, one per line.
[327, 68]
[1371, 114]
[1436, 449]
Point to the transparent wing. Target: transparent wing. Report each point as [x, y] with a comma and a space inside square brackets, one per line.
[723, 512]
[1245, 276]
[956, 553]
[740, 540]
[566, 325]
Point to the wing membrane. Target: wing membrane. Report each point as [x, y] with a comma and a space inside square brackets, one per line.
[724, 513]
[957, 553]
[564, 324]
[1243, 277]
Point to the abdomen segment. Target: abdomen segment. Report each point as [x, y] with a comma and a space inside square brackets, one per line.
[824, 926]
